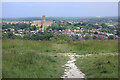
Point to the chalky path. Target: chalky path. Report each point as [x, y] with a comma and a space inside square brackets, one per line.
[71, 70]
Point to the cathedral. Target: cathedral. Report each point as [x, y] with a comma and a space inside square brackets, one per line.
[42, 23]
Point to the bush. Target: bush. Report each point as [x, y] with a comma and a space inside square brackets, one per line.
[94, 37]
[111, 37]
[87, 37]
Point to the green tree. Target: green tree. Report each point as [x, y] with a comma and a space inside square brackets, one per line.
[4, 35]
[94, 37]
[34, 28]
[87, 37]
[76, 37]
[95, 32]
[111, 37]
[11, 35]
[104, 25]
[27, 36]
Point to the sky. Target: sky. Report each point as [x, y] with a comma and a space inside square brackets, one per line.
[60, 0]
[59, 9]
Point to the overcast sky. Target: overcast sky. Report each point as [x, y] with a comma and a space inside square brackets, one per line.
[58, 9]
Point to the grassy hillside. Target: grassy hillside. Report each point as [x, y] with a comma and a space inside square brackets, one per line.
[94, 46]
[99, 66]
[80, 47]
[25, 59]
[38, 59]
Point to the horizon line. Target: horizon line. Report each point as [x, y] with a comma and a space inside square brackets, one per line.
[59, 16]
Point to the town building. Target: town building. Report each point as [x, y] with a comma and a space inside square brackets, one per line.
[42, 23]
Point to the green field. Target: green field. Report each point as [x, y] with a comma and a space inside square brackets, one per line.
[94, 46]
[38, 59]
[79, 47]
[25, 59]
[99, 66]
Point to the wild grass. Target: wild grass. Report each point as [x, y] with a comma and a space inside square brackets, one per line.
[25, 45]
[38, 59]
[94, 46]
[87, 47]
[99, 66]
[25, 59]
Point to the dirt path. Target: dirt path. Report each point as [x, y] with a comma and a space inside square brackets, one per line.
[71, 70]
